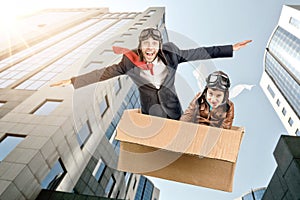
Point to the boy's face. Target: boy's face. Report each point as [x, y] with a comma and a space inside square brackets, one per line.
[214, 97]
[150, 49]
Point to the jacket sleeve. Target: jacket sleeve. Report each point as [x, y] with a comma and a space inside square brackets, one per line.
[201, 53]
[227, 122]
[99, 75]
[189, 113]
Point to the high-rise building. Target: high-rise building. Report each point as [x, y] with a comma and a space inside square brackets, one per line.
[57, 141]
[255, 194]
[285, 182]
[281, 76]
[281, 84]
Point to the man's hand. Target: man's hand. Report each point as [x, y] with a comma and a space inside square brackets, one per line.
[239, 45]
[61, 83]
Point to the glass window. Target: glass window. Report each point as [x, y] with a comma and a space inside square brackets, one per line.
[99, 170]
[131, 15]
[55, 176]
[127, 177]
[278, 102]
[117, 86]
[2, 103]
[134, 184]
[116, 145]
[116, 119]
[138, 24]
[140, 189]
[151, 12]
[283, 111]
[132, 29]
[118, 42]
[8, 143]
[284, 82]
[145, 189]
[84, 133]
[103, 106]
[110, 186]
[297, 132]
[117, 196]
[126, 35]
[285, 47]
[160, 22]
[107, 53]
[294, 22]
[291, 121]
[47, 107]
[5, 83]
[258, 194]
[271, 91]
[106, 15]
[248, 197]
[254, 195]
[110, 131]
[115, 15]
[148, 190]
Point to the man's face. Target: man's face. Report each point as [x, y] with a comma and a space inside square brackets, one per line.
[214, 97]
[150, 49]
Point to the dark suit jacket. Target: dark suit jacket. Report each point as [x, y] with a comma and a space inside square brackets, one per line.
[161, 102]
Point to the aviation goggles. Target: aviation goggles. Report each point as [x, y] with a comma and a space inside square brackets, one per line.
[219, 81]
[150, 32]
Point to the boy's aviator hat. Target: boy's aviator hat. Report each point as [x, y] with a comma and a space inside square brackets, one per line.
[218, 80]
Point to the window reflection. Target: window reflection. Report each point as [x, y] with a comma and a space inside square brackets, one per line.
[99, 170]
[103, 106]
[55, 176]
[110, 186]
[117, 86]
[144, 190]
[294, 22]
[8, 143]
[285, 46]
[2, 103]
[285, 83]
[84, 133]
[47, 107]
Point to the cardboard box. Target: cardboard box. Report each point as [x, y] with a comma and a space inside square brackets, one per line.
[178, 151]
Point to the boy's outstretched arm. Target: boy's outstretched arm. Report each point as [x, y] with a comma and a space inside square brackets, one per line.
[240, 45]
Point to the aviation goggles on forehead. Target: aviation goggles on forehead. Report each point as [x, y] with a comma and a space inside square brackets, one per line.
[218, 80]
[150, 32]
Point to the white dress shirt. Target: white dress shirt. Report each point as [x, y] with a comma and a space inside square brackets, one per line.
[160, 72]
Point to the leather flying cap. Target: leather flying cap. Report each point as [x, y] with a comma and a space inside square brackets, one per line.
[218, 80]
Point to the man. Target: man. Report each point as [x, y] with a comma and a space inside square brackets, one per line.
[152, 67]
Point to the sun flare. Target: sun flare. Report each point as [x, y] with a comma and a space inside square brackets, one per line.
[8, 15]
[10, 11]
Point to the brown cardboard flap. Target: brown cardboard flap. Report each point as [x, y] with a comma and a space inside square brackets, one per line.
[180, 137]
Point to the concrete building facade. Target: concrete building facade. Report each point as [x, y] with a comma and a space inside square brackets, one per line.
[57, 138]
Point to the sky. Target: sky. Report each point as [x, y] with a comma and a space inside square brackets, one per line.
[207, 23]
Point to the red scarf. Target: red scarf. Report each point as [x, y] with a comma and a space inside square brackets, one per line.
[134, 58]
